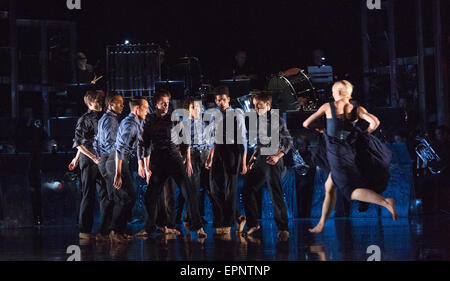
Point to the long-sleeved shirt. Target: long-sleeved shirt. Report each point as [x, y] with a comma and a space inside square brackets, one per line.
[199, 140]
[129, 132]
[239, 137]
[156, 136]
[86, 130]
[285, 138]
[105, 139]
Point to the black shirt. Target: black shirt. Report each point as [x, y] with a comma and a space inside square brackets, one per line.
[285, 139]
[86, 130]
[156, 136]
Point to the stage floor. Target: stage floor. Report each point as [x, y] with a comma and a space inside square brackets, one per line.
[418, 238]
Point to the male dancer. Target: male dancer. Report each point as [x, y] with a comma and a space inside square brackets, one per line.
[85, 132]
[130, 130]
[195, 154]
[267, 168]
[165, 162]
[105, 140]
[225, 160]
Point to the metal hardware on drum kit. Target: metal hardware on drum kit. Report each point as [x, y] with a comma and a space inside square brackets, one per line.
[133, 69]
[429, 157]
[294, 92]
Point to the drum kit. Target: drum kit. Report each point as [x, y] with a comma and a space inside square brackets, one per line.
[136, 70]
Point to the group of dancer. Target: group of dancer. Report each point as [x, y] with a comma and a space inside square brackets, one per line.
[357, 162]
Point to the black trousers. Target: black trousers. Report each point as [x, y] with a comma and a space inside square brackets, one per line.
[224, 176]
[264, 173]
[91, 180]
[166, 215]
[198, 162]
[164, 166]
[124, 198]
[105, 226]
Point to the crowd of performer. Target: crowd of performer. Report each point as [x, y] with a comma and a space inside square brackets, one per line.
[350, 155]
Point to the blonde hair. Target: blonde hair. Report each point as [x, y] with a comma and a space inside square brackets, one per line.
[345, 87]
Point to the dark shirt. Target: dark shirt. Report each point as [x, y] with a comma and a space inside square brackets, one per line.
[285, 138]
[156, 136]
[85, 76]
[86, 130]
[129, 132]
[105, 139]
[235, 70]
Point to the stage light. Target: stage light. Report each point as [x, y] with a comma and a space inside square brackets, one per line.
[127, 42]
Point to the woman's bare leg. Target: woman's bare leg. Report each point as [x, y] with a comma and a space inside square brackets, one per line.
[327, 207]
[370, 196]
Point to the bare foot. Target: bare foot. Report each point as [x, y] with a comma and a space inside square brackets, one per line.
[201, 233]
[253, 240]
[171, 231]
[391, 202]
[283, 235]
[319, 228]
[161, 229]
[142, 233]
[251, 230]
[240, 224]
[226, 230]
[225, 237]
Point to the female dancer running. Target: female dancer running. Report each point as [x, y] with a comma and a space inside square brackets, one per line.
[358, 162]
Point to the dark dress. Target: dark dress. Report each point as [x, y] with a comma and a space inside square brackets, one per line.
[354, 158]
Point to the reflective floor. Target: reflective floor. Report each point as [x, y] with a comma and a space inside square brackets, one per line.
[418, 238]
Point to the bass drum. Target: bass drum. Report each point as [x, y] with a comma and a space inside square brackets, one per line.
[293, 93]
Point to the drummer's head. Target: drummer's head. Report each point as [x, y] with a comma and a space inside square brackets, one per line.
[92, 99]
[342, 90]
[241, 57]
[222, 97]
[161, 101]
[262, 101]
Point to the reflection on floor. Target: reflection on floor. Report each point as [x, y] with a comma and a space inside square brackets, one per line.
[344, 239]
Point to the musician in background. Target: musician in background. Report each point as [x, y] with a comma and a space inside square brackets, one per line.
[84, 71]
[240, 68]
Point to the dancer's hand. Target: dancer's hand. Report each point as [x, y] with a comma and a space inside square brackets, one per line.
[244, 169]
[73, 164]
[148, 174]
[251, 163]
[272, 160]
[117, 181]
[96, 160]
[208, 163]
[141, 171]
[189, 169]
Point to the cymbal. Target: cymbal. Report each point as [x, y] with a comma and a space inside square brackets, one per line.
[186, 60]
[235, 80]
[170, 81]
[78, 84]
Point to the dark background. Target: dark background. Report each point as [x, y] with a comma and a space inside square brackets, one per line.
[277, 34]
